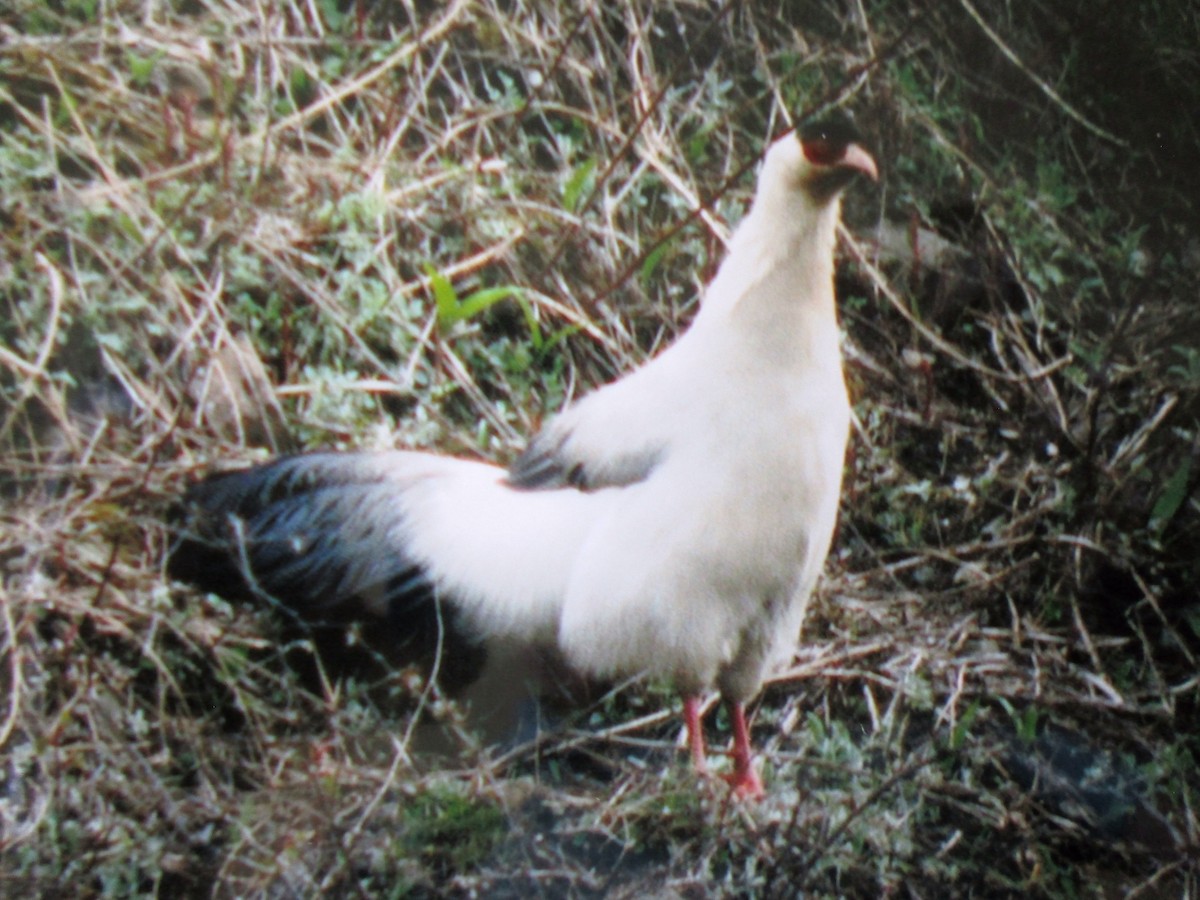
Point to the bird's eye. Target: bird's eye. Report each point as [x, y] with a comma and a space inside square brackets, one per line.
[825, 141]
[823, 152]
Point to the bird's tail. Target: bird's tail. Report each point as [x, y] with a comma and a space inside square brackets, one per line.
[324, 539]
[426, 553]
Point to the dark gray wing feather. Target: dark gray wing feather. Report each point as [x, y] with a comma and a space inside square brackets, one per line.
[551, 462]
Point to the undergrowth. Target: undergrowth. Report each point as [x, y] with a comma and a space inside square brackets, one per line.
[231, 230]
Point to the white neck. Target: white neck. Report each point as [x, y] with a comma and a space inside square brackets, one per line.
[775, 288]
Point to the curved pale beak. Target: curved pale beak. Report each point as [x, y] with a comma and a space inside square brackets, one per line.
[860, 160]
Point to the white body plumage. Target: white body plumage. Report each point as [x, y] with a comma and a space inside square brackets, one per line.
[672, 523]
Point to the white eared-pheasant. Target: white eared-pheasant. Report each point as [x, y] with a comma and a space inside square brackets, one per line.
[672, 523]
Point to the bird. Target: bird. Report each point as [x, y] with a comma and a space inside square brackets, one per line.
[672, 523]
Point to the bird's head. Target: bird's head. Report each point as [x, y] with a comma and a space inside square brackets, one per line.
[819, 159]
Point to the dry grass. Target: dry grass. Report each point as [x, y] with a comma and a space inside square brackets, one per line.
[223, 224]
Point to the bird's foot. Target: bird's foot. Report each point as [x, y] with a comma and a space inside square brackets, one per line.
[744, 779]
[745, 785]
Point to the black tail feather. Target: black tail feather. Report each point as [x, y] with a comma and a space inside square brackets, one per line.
[320, 538]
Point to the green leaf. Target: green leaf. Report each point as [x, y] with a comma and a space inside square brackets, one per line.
[535, 330]
[141, 68]
[653, 258]
[66, 107]
[451, 309]
[1192, 618]
[300, 82]
[559, 336]
[444, 297]
[959, 732]
[1027, 725]
[580, 180]
[475, 303]
[1172, 497]
[1025, 722]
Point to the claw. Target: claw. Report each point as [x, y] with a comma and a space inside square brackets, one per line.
[746, 785]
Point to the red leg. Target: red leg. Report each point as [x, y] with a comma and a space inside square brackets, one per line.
[695, 733]
[743, 779]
